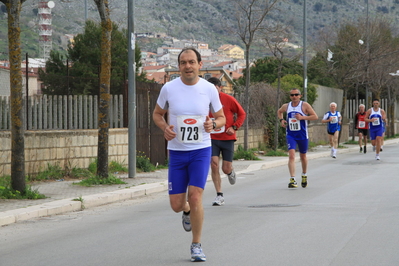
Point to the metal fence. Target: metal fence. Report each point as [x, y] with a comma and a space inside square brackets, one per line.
[352, 107]
[46, 112]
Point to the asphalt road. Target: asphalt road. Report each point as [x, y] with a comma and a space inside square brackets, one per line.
[348, 215]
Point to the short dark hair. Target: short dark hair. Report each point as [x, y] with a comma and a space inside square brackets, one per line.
[215, 81]
[376, 100]
[295, 89]
[190, 49]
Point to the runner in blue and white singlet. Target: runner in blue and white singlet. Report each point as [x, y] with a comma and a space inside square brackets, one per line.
[297, 129]
[376, 116]
[296, 124]
[333, 119]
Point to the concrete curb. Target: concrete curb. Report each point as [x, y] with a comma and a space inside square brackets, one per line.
[74, 204]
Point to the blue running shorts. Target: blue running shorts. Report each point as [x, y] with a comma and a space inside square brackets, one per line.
[188, 168]
[374, 133]
[302, 144]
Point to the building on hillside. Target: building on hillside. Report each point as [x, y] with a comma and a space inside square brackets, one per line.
[158, 77]
[152, 69]
[191, 43]
[33, 87]
[67, 39]
[228, 65]
[4, 81]
[225, 77]
[168, 50]
[232, 51]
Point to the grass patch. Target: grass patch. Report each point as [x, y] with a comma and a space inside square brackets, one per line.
[6, 192]
[143, 163]
[96, 180]
[81, 201]
[392, 137]
[250, 154]
[116, 167]
[52, 172]
[276, 153]
[351, 142]
[315, 144]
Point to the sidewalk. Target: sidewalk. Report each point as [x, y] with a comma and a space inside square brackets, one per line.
[63, 196]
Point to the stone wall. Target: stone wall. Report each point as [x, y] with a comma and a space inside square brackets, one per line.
[255, 137]
[66, 148]
[318, 132]
[77, 148]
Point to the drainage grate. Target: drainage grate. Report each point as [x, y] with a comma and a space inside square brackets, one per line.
[273, 205]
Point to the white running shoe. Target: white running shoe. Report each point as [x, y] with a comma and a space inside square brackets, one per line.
[186, 222]
[219, 201]
[377, 157]
[196, 252]
[232, 177]
[373, 148]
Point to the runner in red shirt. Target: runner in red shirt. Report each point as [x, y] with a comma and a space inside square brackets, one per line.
[223, 141]
[362, 127]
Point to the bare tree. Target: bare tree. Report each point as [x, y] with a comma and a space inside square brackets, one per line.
[17, 125]
[392, 93]
[251, 17]
[276, 43]
[345, 65]
[105, 80]
[353, 61]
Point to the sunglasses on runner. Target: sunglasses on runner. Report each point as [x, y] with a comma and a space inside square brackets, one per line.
[295, 94]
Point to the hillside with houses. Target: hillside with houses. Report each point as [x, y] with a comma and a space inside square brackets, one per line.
[226, 63]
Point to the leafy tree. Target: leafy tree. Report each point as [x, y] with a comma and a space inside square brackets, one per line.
[56, 71]
[318, 72]
[265, 69]
[250, 18]
[296, 81]
[84, 63]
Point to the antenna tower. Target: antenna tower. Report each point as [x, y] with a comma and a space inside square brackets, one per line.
[45, 31]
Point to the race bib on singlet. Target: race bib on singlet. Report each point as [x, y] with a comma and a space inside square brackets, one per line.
[334, 120]
[362, 124]
[294, 124]
[189, 128]
[376, 122]
[218, 131]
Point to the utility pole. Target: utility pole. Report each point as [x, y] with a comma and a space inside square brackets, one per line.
[305, 63]
[131, 90]
[368, 102]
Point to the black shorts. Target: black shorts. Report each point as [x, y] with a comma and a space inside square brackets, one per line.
[226, 147]
[364, 131]
[331, 133]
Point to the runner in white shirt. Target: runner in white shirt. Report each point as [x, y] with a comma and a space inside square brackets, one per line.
[188, 100]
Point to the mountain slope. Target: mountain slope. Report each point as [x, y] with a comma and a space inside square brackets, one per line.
[202, 20]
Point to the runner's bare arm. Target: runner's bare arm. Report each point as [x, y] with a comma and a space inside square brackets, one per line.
[159, 119]
[311, 114]
[220, 121]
